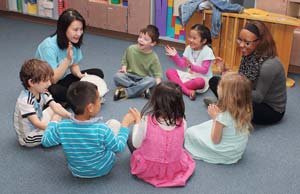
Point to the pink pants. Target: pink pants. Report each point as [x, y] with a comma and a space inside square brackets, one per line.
[187, 87]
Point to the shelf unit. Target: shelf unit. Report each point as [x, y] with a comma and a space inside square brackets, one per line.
[104, 15]
[284, 7]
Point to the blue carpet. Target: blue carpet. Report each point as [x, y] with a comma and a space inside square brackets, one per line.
[271, 163]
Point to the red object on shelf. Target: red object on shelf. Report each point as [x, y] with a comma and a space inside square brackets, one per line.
[62, 5]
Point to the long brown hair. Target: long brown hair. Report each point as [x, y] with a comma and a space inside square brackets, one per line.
[166, 104]
[235, 97]
[266, 46]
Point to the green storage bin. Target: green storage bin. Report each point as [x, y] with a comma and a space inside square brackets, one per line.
[115, 1]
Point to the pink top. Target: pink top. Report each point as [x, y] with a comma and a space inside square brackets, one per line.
[181, 62]
[161, 160]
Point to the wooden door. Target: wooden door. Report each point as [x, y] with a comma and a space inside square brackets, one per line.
[3, 5]
[138, 15]
[117, 18]
[97, 15]
[275, 6]
[81, 6]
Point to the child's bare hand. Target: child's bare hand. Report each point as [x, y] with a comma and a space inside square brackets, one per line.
[123, 69]
[136, 114]
[220, 64]
[213, 111]
[56, 118]
[127, 120]
[170, 51]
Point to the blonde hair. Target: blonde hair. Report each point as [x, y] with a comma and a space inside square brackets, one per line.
[235, 97]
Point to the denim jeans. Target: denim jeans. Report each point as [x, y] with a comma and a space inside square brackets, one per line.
[134, 85]
[187, 9]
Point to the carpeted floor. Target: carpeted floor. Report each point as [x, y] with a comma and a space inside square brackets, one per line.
[271, 163]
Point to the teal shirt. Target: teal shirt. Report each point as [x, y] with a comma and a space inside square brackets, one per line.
[140, 63]
[49, 51]
[89, 146]
[230, 149]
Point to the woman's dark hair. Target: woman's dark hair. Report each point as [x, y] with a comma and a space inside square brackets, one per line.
[80, 94]
[266, 46]
[63, 22]
[166, 104]
[203, 32]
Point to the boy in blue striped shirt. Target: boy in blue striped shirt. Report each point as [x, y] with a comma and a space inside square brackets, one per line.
[88, 143]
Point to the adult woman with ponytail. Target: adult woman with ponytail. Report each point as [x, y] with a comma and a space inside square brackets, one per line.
[261, 65]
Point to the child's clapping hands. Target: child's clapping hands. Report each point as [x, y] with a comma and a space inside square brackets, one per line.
[213, 111]
[135, 114]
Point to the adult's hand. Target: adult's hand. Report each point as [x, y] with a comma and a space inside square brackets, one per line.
[220, 64]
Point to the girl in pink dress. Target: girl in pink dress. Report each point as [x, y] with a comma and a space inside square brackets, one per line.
[159, 157]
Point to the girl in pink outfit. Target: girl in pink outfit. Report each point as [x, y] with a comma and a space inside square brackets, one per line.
[197, 59]
[159, 157]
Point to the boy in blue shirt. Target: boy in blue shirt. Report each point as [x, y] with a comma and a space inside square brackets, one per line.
[88, 143]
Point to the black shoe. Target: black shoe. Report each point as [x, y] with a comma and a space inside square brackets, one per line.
[147, 94]
[120, 94]
[210, 100]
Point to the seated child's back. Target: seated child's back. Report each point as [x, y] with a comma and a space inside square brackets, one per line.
[160, 158]
[89, 144]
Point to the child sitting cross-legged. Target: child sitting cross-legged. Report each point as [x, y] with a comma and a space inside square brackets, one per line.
[157, 138]
[88, 143]
[141, 69]
[31, 115]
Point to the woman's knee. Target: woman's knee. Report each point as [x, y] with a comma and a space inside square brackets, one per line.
[95, 71]
[214, 81]
[58, 92]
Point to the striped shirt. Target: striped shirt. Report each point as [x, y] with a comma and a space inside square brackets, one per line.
[88, 145]
[26, 105]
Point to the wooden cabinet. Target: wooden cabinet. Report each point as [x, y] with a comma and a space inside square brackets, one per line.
[101, 15]
[81, 6]
[116, 18]
[138, 15]
[3, 4]
[97, 17]
[275, 6]
[293, 8]
[284, 7]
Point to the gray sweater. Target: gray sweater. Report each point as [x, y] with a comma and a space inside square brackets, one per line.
[271, 85]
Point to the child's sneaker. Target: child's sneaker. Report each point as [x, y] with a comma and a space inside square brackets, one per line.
[120, 94]
[146, 94]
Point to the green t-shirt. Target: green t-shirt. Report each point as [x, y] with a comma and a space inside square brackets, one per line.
[140, 63]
